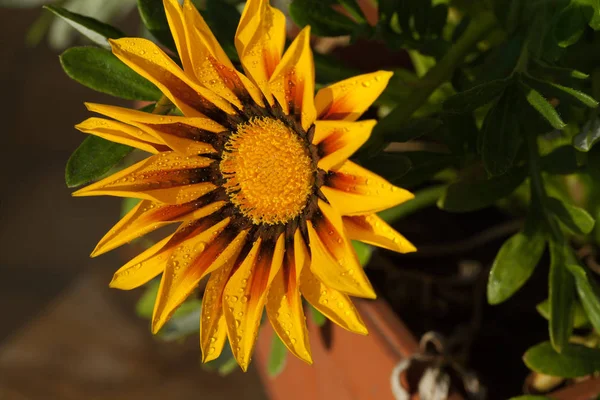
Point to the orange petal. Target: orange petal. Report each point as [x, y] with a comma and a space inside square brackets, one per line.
[338, 140]
[259, 40]
[293, 81]
[245, 296]
[148, 60]
[333, 258]
[373, 230]
[166, 178]
[350, 98]
[148, 216]
[207, 249]
[353, 190]
[332, 303]
[284, 304]
[121, 133]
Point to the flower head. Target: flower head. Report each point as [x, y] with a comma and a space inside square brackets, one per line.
[256, 172]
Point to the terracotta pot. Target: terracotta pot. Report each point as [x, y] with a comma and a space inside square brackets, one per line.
[346, 365]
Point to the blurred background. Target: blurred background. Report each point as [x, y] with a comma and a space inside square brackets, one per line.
[63, 333]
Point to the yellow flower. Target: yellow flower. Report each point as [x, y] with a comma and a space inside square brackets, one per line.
[257, 174]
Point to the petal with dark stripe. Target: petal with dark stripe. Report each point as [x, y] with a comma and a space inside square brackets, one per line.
[246, 294]
[353, 190]
[212, 67]
[259, 40]
[373, 230]
[338, 140]
[166, 178]
[332, 303]
[284, 304]
[293, 81]
[350, 98]
[148, 60]
[333, 259]
[148, 216]
[121, 133]
[188, 136]
[208, 248]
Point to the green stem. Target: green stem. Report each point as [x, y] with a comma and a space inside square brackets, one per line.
[538, 190]
[423, 198]
[435, 77]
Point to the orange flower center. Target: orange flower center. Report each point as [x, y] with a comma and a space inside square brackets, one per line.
[268, 171]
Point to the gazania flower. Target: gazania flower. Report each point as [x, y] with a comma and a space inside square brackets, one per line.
[256, 173]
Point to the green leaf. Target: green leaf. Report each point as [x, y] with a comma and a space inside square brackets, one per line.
[574, 361]
[100, 70]
[589, 294]
[185, 321]
[363, 252]
[145, 305]
[391, 166]
[415, 128]
[152, 13]
[550, 89]
[322, 18]
[589, 135]
[318, 318]
[92, 159]
[542, 106]
[475, 97]
[223, 18]
[514, 264]
[466, 196]
[580, 319]
[23, 3]
[561, 161]
[277, 357]
[561, 295]
[424, 165]
[501, 135]
[98, 32]
[576, 219]
[569, 25]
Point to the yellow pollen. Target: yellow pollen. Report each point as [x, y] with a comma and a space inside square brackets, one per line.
[268, 171]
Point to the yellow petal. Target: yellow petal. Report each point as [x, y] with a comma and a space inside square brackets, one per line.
[213, 329]
[330, 302]
[148, 60]
[284, 304]
[333, 258]
[245, 297]
[259, 40]
[350, 98]
[148, 216]
[120, 133]
[353, 190]
[373, 230]
[206, 250]
[212, 67]
[178, 31]
[132, 117]
[166, 177]
[338, 140]
[142, 268]
[188, 136]
[293, 82]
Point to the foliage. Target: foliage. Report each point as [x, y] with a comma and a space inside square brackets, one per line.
[502, 99]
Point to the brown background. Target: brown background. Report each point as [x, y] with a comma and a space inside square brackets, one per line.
[63, 333]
